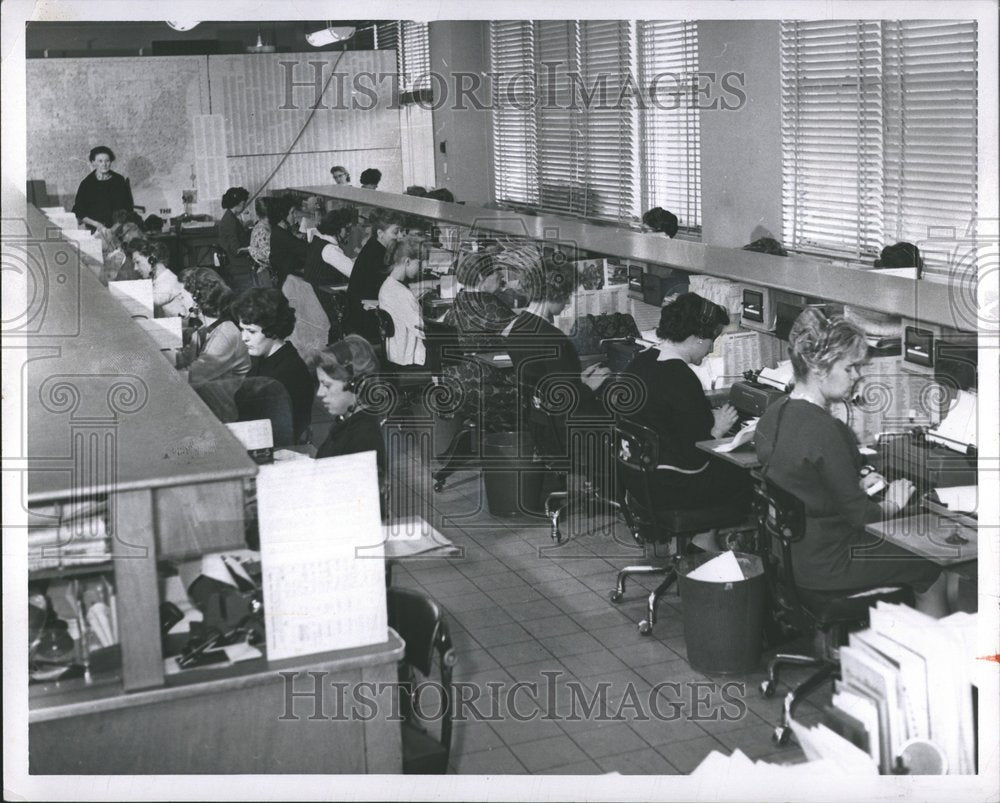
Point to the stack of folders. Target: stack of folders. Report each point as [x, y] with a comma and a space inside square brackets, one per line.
[905, 692]
[65, 535]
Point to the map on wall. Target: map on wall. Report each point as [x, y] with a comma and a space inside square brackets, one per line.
[139, 107]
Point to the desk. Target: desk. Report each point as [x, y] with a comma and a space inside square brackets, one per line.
[744, 456]
[189, 247]
[928, 535]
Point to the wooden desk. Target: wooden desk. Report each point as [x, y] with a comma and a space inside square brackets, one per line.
[237, 720]
[744, 456]
[927, 534]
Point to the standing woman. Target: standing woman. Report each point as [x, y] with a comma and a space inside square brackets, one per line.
[102, 192]
[235, 238]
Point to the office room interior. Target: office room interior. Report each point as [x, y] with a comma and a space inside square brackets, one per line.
[553, 395]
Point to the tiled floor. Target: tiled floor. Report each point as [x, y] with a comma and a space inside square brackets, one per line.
[522, 611]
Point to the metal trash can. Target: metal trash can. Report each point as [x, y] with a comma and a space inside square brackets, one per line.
[511, 486]
[723, 621]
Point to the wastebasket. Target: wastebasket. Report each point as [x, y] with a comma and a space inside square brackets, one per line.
[723, 620]
[511, 484]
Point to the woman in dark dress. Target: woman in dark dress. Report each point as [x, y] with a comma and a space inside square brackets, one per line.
[266, 320]
[345, 371]
[814, 456]
[102, 192]
[235, 238]
[676, 408]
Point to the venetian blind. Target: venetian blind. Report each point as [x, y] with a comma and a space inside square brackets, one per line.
[878, 136]
[670, 153]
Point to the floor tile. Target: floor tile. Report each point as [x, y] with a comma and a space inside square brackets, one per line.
[500, 634]
[609, 741]
[524, 652]
[598, 662]
[536, 609]
[685, 756]
[579, 768]
[640, 762]
[572, 644]
[543, 754]
[497, 761]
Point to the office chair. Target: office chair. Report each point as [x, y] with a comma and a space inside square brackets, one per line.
[781, 522]
[420, 623]
[638, 455]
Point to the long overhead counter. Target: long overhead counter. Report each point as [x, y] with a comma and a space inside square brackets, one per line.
[926, 301]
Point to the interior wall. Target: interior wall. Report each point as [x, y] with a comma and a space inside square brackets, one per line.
[741, 148]
[208, 122]
[465, 166]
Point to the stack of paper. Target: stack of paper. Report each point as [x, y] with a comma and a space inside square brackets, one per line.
[958, 430]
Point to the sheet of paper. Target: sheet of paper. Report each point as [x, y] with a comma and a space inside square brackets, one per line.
[722, 569]
[780, 377]
[959, 427]
[253, 434]
[321, 554]
[963, 498]
[745, 435]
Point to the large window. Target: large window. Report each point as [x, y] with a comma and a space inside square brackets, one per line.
[879, 136]
[590, 117]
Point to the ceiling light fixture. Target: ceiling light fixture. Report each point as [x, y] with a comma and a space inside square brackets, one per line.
[330, 35]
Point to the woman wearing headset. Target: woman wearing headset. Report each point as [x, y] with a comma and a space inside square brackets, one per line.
[809, 453]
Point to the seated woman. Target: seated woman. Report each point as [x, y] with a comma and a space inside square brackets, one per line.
[149, 260]
[675, 407]
[260, 243]
[288, 252]
[326, 261]
[235, 239]
[218, 351]
[811, 454]
[406, 346]
[370, 271]
[545, 361]
[344, 369]
[266, 320]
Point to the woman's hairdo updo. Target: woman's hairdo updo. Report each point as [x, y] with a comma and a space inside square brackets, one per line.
[155, 251]
[95, 152]
[690, 314]
[209, 291]
[267, 308]
[816, 341]
[543, 277]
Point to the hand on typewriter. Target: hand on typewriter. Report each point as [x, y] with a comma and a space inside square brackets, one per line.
[897, 495]
[725, 417]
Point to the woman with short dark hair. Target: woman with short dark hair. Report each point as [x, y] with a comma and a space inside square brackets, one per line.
[101, 192]
[326, 261]
[288, 252]
[266, 321]
[809, 453]
[675, 406]
[370, 178]
[235, 239]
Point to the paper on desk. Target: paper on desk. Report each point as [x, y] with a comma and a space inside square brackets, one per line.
[961, 498]
[745, 435]
[253, 434]
[722, 569]
[780, 377]
[958, 430]
[322, 555]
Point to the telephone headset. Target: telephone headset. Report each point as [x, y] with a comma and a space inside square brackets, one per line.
[342, 351]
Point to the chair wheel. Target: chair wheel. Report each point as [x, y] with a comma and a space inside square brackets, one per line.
[767, 688]
[438, 485]
[645, 628]
[780, 735]
[615, 596]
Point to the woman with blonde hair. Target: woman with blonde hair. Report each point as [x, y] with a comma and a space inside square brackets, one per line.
[809, 453]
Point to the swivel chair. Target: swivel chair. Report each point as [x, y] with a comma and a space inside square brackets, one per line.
[638, 455]
[781, 522]
[420, 623]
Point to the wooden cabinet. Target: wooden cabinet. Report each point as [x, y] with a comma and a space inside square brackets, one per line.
[109, 417]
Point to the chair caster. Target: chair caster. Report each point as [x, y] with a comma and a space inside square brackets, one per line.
[439, 484]
[767, 688]
[645, 628]
[780, 735]
[615, 596]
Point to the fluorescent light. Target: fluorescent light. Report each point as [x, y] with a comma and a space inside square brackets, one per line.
[329, 35]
